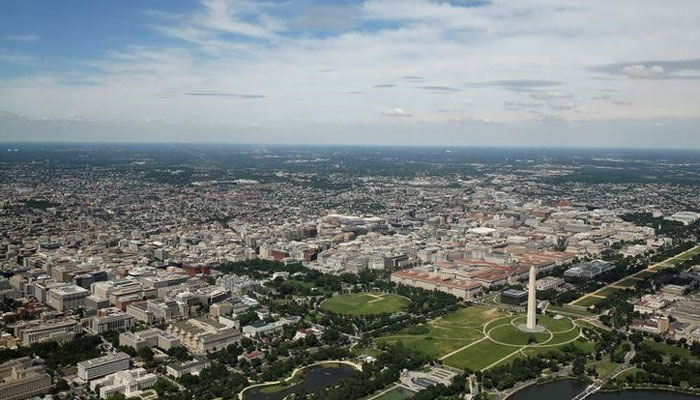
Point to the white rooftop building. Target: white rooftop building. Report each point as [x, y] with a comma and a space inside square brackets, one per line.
[129, 383]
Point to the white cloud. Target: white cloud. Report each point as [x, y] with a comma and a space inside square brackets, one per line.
[551, 95]
[25, 38]
[517, 105]
[622, 103]
[464, 120]
[396, 112]
[556, 104]
[642, 71]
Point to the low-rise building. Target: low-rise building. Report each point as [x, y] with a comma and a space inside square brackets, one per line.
[687, 310]
[674, 290]
[139, 310]
[67, 297]
[548, 283]
[193, 367]
[651, 304]
[153, 337]
[685, 217]
[634, 250]
[417, 277]
[588, 270]
[202, 335]
[513, 296]
[23, 378]
[163, 310]
[130, 383]
[253, 355]
[111, 322]
[102, 366]
[60, 331]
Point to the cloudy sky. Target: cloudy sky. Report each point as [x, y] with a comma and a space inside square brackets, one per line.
[412, 72]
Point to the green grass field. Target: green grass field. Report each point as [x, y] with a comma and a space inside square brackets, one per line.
[568, 310]
[563, 337]
[488, 335]
[475, 316]
[446, 334]
[431, 346]
[500, 321]
[510, 339]
[628, 283]
[607, 292]
[481, 336]
[588, 301]
[670, 350]
[398, 393]
[555, 325]
[645, 274]
[622, 378]
[480, 355]
[604, 368]
[365, 303]
[510, 334]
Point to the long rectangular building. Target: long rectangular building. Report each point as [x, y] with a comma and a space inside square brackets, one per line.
[101, 366]
[462, 288]
[23, 378]
[60, 331]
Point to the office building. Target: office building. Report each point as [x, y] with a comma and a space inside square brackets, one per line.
[513, 296]
[23, 378]
[153, 337]
[111, 322]
[192, 367]
[130, 383]
[60, 331]
[102, 366]
[139, 310]
[588, 270]
[202, 335]
[548, 283]
[66, 298]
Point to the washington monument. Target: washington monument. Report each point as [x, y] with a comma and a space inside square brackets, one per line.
[531, 324]
[531, 301]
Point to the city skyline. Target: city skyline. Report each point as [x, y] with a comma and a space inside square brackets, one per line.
[470, 73]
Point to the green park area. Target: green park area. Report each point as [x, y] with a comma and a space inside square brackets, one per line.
[447, 334]
[628, 283]
[588, 301]
[608, 291]
[479, 337]
[669, 350]
[645, 274]
[398, 393]
[365, 303]
[567, 309]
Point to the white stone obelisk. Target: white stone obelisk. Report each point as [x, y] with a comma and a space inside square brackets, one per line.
[531, 301]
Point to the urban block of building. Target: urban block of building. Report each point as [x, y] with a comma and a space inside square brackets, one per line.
[153, 337]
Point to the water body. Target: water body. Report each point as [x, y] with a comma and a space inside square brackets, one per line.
[566, 389]
[643, 395]
[315, 378]
[563, 389]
